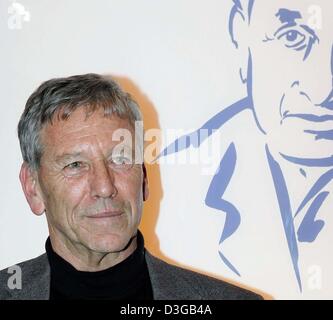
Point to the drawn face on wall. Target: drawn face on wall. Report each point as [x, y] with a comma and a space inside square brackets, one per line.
[289, 45]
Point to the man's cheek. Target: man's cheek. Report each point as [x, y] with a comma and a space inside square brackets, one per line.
[74, 189]
[265, 110]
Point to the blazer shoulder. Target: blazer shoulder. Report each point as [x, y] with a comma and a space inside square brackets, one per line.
[186, 284]
[28, 272]
[30, 266]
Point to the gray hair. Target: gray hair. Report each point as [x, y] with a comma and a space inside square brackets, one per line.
[60, 97]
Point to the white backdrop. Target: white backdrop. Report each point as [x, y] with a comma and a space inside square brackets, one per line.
[178, 61]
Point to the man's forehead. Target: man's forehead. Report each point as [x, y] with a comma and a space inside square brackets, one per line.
[270, 15]
[296, 7]
[300, 4]
[79, 125]
[81, 119]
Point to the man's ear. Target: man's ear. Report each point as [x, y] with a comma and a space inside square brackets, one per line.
[145, 188]
[239, 25]
[29, 183]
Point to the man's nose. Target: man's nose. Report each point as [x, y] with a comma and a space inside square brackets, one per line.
[323, 89]
[102, 182]
[328, 101]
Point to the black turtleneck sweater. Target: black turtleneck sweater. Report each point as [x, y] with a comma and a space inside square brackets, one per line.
[127, 280]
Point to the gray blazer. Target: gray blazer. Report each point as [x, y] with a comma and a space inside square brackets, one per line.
[168, 283]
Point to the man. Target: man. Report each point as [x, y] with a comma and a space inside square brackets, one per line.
[81, 167]
[287, 67]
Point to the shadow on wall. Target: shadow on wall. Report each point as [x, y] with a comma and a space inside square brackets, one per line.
[152, 205]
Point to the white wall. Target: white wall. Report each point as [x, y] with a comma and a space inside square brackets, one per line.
[177, 59]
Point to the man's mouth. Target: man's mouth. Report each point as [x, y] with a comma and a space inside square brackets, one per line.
[106, 214]
[321, 135]
[317, 114]
[308, 117]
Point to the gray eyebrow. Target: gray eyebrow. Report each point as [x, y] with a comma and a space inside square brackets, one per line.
[66, 156]
[288, 16]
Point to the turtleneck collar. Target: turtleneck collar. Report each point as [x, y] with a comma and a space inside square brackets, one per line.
[128, 279]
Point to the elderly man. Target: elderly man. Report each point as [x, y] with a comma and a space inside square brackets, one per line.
[286, 122]
[91, 187]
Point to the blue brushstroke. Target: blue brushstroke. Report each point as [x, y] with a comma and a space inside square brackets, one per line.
[196, 137]
[236, 9]
[286, 213]
[308, 162]
[309, 117]
[302, 93]
[288, 16]
[313, 39]
[249, 91]
[317, 187]
[328, 102]
[228, 263]
[250, 8]
[310, 227]
[281, 105]
[321, 135]
[214, 198]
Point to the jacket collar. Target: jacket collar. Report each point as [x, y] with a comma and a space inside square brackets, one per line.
[36, 276]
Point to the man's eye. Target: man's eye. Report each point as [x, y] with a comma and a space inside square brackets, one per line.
[74, 165]
[300, 38]
[293, 39]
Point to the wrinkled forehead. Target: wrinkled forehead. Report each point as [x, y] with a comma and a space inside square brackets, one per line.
[79, 124]
[316, 14]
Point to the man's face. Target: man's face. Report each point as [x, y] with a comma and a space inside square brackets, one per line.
[291, 47]
[92, 194]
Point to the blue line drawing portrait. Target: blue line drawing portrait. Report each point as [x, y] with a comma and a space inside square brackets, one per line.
[287, 73]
